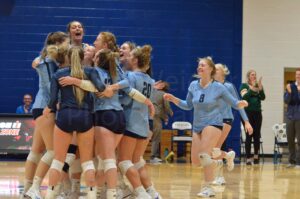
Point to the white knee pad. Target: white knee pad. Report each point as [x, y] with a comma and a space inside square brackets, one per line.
[48, 157]
[34, 157]
[205, 159]
[216, 152]
[70, 158]
[88, 165]
[100, 164]
[57, 165]
[125, 165]
[140, 164]
[76, 167]
[109, 164]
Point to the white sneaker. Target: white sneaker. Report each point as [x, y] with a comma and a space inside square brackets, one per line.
[219, 181]
[297, 167]
[155, 161]
[123, 192]
[154, 194]
[33, 193]
[290, 165]
[206, 192]
[143, 195]
[230, 160]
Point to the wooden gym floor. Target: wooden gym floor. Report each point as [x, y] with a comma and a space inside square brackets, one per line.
[181, 181]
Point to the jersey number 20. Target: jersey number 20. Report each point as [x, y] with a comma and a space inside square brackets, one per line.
[201, 98]
[147, 90]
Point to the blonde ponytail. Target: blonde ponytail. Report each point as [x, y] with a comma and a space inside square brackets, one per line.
[224, 68]
[76, 56]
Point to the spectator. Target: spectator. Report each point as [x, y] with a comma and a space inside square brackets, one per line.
[252, 91]
[162, 112]
[292, 99]
[27, 106]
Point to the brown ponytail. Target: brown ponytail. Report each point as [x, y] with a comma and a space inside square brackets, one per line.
[57, 53]
[111, 41]
[143, 55]
[53, 38]
[106, 59]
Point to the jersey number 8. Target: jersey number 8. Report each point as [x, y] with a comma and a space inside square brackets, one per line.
[201, 98]
[147, 90]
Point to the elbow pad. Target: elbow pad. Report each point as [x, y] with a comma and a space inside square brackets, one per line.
[88, 86]
[137, 96]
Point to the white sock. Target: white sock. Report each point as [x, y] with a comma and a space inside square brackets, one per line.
[121, 182]
[91, 193]
[37, 181]
[111, 193]
[75, 184]
[27, 185]
[52, 192]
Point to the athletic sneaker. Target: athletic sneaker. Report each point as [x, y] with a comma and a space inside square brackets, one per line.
[206, 192]
[33, 193]
[143, 195]
[230, 160]
[297, 167]
[290, 165]
[155, 161]
[154, 194]
[219, 181]
[123, 192]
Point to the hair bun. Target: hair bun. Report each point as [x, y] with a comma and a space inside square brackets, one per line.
[146, 49]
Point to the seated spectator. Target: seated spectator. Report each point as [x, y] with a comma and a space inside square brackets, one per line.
[27, 106]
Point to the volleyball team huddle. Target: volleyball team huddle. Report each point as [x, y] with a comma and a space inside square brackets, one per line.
[93, 117]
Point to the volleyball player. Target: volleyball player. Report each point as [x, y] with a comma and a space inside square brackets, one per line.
[43, 131]
[74, 114]
[221, 72]
[204, 96]
[75, 30]
[132, 145]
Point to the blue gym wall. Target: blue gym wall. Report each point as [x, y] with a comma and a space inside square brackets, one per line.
[180, 31]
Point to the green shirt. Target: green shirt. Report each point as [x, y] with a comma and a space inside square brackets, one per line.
[253, 98]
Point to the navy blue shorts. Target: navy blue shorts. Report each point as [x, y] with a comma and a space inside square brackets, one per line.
[112, 120]
[216, 126]
[72, 119]
[134, 135]
[228, 121]
[37, 112]
[151, 125]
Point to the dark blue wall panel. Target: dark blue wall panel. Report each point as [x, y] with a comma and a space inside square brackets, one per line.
[179, 30]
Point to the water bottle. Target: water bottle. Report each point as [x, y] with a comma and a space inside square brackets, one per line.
[275, 157]
[166, 152]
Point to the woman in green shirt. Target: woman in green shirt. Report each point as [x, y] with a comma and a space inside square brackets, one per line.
[252, 91]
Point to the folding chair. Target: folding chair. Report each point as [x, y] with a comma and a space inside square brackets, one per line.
[186, 127]
[280, 141]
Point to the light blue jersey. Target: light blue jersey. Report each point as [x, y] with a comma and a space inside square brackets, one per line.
[226, 108]
[112, 103]
[206, 104]
[137, 114]
[46, 68]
